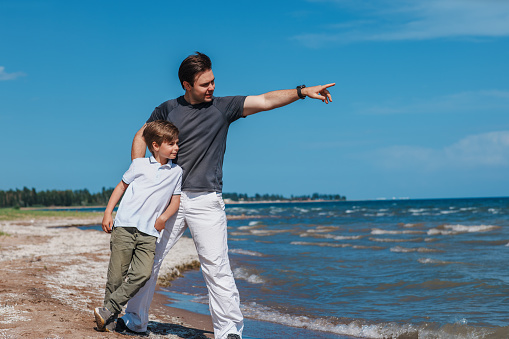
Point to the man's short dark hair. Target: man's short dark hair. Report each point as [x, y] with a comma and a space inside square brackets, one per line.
[192, 65]
[159, 131]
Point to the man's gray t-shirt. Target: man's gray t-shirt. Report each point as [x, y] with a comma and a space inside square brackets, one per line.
[202, 138]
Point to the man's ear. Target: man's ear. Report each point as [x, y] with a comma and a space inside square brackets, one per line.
[187, 85]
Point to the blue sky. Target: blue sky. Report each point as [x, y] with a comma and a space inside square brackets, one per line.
[420, 108]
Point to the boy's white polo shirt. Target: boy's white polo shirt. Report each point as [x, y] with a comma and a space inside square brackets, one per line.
[151, 186]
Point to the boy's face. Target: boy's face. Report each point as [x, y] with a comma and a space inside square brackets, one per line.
[167, 149]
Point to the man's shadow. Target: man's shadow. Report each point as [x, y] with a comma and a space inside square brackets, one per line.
[178, 330]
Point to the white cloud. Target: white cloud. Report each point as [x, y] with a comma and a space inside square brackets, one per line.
[415, 20]
[483, 100]
[4, 76]
[487, 150]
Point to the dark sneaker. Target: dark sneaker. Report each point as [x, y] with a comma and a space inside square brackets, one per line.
[110, 324]
[105, 319]
[121, 327]
[233, 336]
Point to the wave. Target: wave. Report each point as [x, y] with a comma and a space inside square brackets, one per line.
[244, 274]
[329, 244]
[380, 231]
[408, 250]
[364, 329]
[457, 229]
[395, 240]
[436, 261]
[322, 229]
[331, 236]
[246, 252]
[321, 244]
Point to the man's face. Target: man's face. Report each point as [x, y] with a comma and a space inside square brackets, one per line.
[203, 88]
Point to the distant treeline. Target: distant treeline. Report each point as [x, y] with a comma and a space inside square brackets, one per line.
[31, 198]
[277, 197]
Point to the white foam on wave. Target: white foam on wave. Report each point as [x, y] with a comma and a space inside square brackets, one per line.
[254, 223]
[276, 210]
[435, 261]
[457, 229]
[251, 226]
[244, 274]
[380, 231]
[345, 237]
[331, 236]
[263, 233]
[242, 210]
[323, 229]
[399, 249]
[321, 244]
[448, 212]
[394, 240]
[416, 210]
[246, 252]
[364, 329]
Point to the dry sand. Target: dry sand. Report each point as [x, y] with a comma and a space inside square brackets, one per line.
[52, 278]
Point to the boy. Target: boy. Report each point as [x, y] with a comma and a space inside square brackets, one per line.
[149, 185]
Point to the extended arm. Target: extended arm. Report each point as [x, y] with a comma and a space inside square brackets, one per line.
[139, 146]
[275, 99]
[170, 210]
[107, 223]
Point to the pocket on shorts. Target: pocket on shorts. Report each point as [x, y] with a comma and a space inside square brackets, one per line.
[220, 200]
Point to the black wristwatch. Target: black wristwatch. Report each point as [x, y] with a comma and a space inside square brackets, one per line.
[299, 91]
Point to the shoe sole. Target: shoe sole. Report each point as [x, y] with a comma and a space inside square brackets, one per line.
[99, 321]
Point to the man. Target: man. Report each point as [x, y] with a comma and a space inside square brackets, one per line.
[203, 121]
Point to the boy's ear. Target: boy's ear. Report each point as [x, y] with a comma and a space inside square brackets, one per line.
[155, 146]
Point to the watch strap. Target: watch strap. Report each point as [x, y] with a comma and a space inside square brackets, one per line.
[299, 91]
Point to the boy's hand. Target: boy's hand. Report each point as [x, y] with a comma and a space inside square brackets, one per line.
[160, 224]
[107, 223]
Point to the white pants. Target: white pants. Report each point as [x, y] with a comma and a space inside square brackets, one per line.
[203, 213]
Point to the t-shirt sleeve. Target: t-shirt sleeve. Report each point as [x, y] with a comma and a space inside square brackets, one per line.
[130, 174]
[157, 114]
[178, 186]
[231, 107]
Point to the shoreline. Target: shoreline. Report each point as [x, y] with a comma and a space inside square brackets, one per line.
[52, 277]
[226, 201]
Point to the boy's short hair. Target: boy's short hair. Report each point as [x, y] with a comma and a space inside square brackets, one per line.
[192, 65]
[159, 131]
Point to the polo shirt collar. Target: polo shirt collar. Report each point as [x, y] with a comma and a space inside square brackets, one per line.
[153, 161]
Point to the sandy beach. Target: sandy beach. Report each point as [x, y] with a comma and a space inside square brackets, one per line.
[52, 277]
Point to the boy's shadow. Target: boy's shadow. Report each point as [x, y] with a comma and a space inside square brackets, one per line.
[178, 330]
